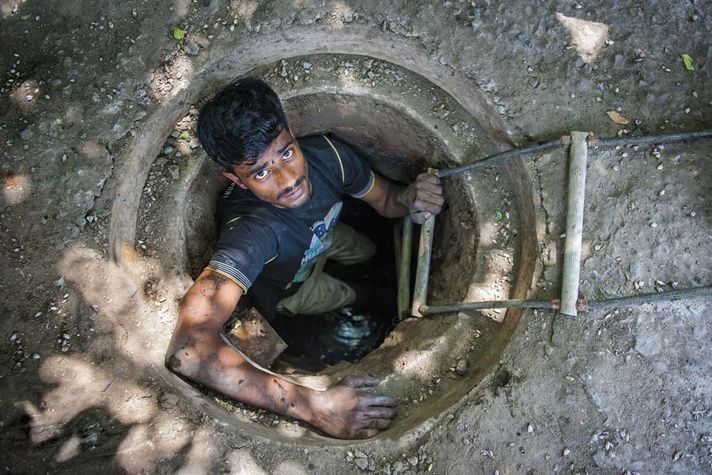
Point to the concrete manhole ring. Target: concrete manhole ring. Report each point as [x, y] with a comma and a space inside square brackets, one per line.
[485, 244]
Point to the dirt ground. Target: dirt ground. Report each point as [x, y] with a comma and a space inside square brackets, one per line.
[86, 87]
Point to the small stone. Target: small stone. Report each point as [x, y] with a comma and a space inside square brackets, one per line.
[653, 224]
[598, 247]
[307, 66]
[676, 456]
[175, 172]
[36, 356]
[661, 193]
[362, 463]
[461, 367]
[413, 461]
[168, 150]
[566, 452]
[530, 428]
[192, 48]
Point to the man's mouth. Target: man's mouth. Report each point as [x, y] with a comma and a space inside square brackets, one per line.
[294, 191]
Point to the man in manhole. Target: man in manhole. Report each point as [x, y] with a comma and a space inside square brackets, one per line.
[278, 221]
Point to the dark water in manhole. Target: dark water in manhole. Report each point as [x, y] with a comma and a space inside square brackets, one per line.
[348, 334]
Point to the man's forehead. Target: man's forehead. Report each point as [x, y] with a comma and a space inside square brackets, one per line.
[275, 147]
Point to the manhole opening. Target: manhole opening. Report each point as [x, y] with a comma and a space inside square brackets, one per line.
[400, 123]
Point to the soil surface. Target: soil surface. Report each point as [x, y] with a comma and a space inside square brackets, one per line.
[82, 337]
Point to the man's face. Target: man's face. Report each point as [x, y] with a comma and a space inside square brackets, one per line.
[279, 176]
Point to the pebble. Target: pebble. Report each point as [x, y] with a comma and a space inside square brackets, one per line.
[307, 66]
[530, 428]
[362, 463]
[175, 172]
[598, 247]
[461, 367]
[192, 48]
[35, 356]
[566, 452]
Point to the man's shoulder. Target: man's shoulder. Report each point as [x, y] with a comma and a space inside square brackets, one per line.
[235, 203]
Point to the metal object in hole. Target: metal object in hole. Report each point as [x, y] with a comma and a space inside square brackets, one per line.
[406, 244]
[253, 336]
[578, 156]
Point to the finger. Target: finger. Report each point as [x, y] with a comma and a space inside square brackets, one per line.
[380, 424]
[420, 205]
[429, 187]
[430, 198]
[360, 382]
[428, 178]
[366, 433]
[379, 400]
[381, 413]
[420, 217]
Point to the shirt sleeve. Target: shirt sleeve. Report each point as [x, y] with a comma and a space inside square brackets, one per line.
[246, 244]
[356, 176]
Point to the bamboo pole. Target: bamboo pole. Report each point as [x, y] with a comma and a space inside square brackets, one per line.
[578, 155]
[422, 270]
[406, 244]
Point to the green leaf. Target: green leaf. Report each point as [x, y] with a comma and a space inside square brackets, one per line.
[184, 135]
[498, 214]
[687, 60]
[178, 34]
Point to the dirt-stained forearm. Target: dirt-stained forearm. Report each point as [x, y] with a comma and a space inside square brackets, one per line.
[198, 352]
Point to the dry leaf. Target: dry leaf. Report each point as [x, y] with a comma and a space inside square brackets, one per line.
[687, 61]
[617, 118]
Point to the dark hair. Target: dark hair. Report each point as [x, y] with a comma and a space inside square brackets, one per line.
[240, 122]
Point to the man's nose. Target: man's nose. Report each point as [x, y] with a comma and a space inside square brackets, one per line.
[286, 176]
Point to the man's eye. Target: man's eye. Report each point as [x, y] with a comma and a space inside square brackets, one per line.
[288, 154]
[262, 174]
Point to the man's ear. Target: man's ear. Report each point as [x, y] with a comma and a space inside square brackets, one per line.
[234, 178]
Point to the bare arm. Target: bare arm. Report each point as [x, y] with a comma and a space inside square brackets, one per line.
[198, 352]
[422, 198]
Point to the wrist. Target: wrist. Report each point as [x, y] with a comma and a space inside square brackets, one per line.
[306, 404]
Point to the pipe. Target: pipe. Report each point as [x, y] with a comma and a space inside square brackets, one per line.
[469, 306]
[582, 305]
[571, 274]
[501, 157]
[650, 139]
[406, 245]
[422, 270]
[564, 142]
[668, 296]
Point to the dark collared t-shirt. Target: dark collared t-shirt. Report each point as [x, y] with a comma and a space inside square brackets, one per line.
[271, 251]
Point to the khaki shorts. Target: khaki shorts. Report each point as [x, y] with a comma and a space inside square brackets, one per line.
[322, 293]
